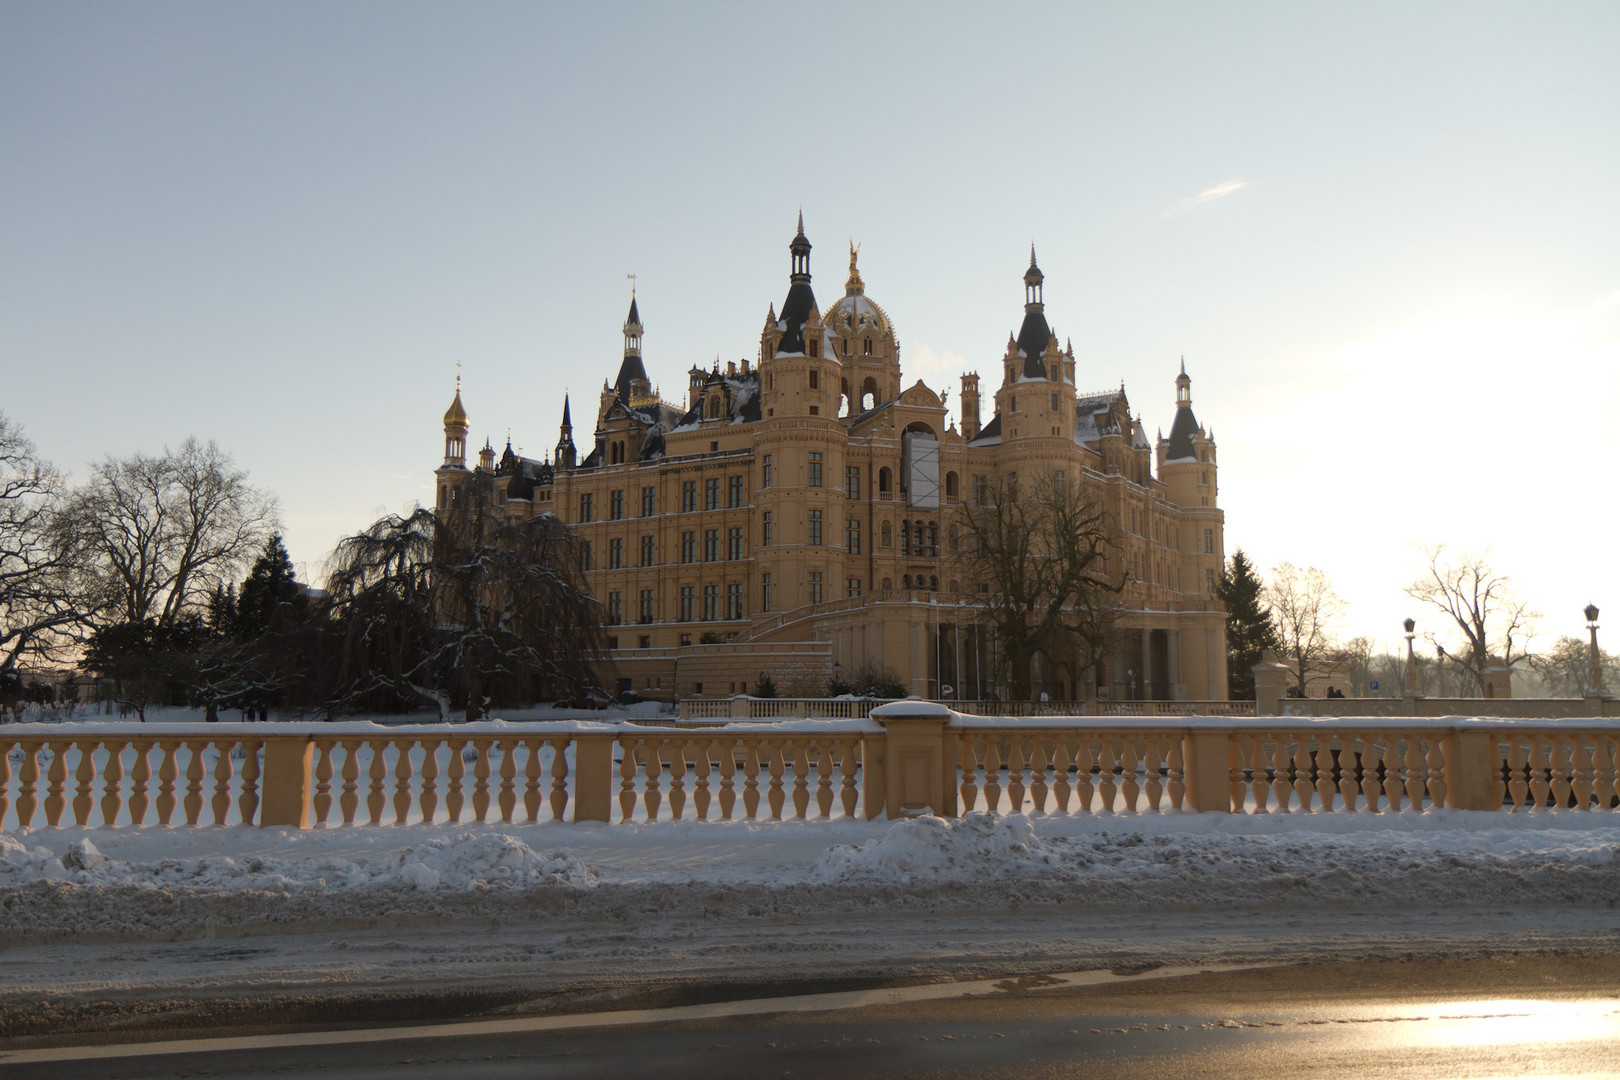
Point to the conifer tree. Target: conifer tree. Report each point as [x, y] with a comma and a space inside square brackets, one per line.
[269, 584]
[1249, 627]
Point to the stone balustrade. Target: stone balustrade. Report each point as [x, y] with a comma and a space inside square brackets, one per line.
[906, 758]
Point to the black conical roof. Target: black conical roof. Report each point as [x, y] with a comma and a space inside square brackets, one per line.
[631, 369]
[1032, 339]
[1181, 434]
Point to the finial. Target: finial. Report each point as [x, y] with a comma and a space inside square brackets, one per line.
[801, 221]
[1184, 363]
[1032, 254]
[854, 284]
[458, 378]
[632, 276]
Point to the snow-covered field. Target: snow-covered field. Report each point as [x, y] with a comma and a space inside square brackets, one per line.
[243, 911]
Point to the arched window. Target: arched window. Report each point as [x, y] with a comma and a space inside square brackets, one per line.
[883, 481]
[933, 583]
[888, 583]
[950, 485]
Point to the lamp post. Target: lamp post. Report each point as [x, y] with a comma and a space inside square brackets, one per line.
[1594, 658]
[1411, 659]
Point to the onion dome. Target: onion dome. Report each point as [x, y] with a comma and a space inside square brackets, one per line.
[456, 415]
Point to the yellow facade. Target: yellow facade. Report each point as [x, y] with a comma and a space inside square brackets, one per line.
[793, 516]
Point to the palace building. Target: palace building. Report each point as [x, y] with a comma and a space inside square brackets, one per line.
[793, 516]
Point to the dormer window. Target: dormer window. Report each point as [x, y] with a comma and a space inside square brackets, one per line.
[868, 346]
[814, 345]
[715, 406]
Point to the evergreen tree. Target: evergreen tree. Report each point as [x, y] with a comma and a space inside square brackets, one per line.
[1249, 627]
[222, 611]
[269, 585]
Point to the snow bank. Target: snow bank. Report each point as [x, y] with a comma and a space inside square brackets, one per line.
[458, 861]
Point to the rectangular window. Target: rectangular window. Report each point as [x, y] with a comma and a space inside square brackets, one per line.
[649, 552]
[1054, 402]
[765, 530]
[615, 609]
[645, 642]
[587, 508]
[711, 603]
[852, 536]
[852, 481]
[1209, 581]
[646, 607]
[649, 501]
[688, 546]
[765, 471]
[688, 496]
[616, 504]
[734, 544]
[688, 595]
[815, 586]
[586, 561]
[616, 553]
[734, 608]
[852, 586]
[1209, 541]
[981, 490]
[711, 493]
[711, 545]
[734, 492]
[765, 593]
[815, 469]
[1012, 402]
[813, 537]
[815, 376]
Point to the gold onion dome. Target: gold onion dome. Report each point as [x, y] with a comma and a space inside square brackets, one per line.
[456, 416]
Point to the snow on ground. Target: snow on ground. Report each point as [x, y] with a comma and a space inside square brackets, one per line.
[246, 911]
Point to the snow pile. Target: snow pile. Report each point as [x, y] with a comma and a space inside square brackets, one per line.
[462, 861]
[936, 850]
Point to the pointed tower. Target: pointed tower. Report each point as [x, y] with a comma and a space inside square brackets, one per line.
[486, 457]
[632, 385]
[567, 456]
[455, 432]
[1034, 335]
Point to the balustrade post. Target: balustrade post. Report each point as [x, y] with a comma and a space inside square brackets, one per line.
[1473, 771]
[285, 786]
[1207, 763]
[593, 777]
[1270, 686]
[740, 707]
[920, 759]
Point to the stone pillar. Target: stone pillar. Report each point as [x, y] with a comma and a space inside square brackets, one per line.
[284, 787]
[593, 777]
[1498, 682]
[1473, 778]
[920, 759]
[1207, 764]
[1270, 686]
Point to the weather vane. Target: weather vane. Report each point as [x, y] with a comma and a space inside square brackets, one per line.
[632, 276]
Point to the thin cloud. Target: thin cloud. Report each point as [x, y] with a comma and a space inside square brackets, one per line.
[1219, 191]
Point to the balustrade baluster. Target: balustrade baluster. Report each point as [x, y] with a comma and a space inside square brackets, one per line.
[506, 801]
[1017, 760]
[704, 766]
[1237, 780]
[85, 775]
[1083, 787]
[322, 802]
[801, 778]
[1518, 777]
[652, 792]
[1559, 768]
[1414, 771]
[1130, 787]
[1608, 784]
[992, 773]
[627, 777]
[224, 770]
[28, 784]
[1540, 771]
[1040, 749]
[559, 777]
[677, 779]
[1062, 759]
[1581, 770]
[428, 798]
[195, 773]
[776, 796]
[1435, 771]
[824, 792]
[168, 771]
[349, 798]
[1175, 767]
[848, 765]
[5, 778]
[112, 798]
[532, 771]
[139, 777]
[1106, 786]
[1282, 765]
[403, 771]
[455, 773]
[249, 798]
[480, 798]
[1152, 761]
[56, 783]
[752, 765]
[969, 789]
[1372, 788]
[1327, 764]
[1304, 773]
[1349, 769]
[728, 777]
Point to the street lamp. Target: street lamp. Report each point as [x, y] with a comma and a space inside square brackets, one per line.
[1595, 675]
[1411, 658]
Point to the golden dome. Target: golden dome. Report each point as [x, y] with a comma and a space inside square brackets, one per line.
[456, 416]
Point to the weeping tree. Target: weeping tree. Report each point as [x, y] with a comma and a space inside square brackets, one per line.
[467, 605]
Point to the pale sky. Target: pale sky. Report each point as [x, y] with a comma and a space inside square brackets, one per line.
[1383, 235]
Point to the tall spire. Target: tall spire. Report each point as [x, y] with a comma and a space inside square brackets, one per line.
[566, 454]
[800, 247]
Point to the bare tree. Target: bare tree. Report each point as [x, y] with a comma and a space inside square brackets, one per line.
[1051, 596]
[43, 608]
[157, 535]
[1305, 608]
[1496, 626]
[1565, 670]
[1354, 658]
